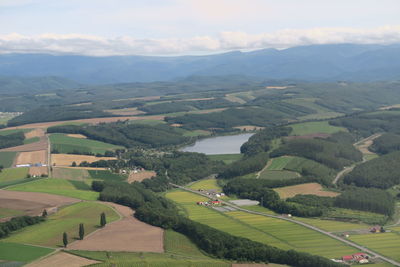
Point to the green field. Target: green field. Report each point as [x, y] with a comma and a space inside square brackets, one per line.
[106, 175]
[31, 140]
[205, 184]
[356, 216]
[333, 226]
[196, 133]
[387, 244]
[305, 128]
[278, 164]
[278, 175]
[226, 158]
[4, 213]
[7, 159]
[65, 144]
[176, 243]
[298, 164]
[147, 122]
[21, 253]
[70, 173]
[49, 233]
[274, 232]
[320, 112]
[69, 188]
[7, 175]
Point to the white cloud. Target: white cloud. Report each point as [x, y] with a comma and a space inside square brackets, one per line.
[225, 41]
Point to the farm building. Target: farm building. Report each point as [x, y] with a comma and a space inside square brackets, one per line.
[208, 203]
[359, 257]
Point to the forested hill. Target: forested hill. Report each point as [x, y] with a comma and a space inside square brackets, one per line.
[313, 63]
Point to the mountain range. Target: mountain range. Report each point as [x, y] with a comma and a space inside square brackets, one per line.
[349, 62]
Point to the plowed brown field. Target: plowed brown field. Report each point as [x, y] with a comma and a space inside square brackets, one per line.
[37, 171]
[140, 176]
[33, 203]
[77, 136]
[35, 133]
[62, 259]
[304, 189]
[128, 234]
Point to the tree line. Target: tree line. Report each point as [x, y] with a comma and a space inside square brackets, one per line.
[10, 140]
[17, 223]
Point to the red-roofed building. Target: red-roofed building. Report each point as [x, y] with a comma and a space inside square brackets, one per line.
[347, 258]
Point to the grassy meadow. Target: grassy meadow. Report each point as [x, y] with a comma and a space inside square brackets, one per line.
[69, 188]
[67, 145]
[305, 128]
[7, 158]
[387, 244]
[25, 253]
[226, 158]
[49, 233]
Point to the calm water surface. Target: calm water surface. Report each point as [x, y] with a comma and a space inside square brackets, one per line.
[229, 144]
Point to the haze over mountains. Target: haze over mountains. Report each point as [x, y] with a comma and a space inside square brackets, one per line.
[312, 63]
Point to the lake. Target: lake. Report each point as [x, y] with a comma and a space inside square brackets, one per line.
[229, 144]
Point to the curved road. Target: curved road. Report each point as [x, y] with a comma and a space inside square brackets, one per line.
[348, 242]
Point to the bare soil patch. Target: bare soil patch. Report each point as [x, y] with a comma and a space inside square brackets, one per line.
[35, 133]
[77, 136]
[62, 259]
[128, 234]
[308, 136]
[41, 145]
[140, 176]
[32, 157]
[38, 171]
[304, 189]
[176, 125]
[68, 159]
[32, 203]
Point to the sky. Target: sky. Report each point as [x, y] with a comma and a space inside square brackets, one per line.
[181, 27]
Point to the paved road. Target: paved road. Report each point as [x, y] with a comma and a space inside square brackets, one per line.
[348, 242]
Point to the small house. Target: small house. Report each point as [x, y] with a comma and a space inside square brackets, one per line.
[347, 258]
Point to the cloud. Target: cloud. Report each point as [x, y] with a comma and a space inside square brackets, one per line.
[127, 45]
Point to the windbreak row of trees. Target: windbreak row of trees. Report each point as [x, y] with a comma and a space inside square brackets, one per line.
[245, 166]
[17, 223]
[158, 211]
[10, 140]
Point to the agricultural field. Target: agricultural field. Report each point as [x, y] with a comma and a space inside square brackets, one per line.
[7, 159]
[31, 203]
[69, 188]
[106, 175]
[25, 253]
[312, 127]
[226, 158]
[140, 176]
[8, 175]
[278, 164]
[356, 215]
[304, 189]
[332, 225]
[387, 244]
[70, 173]
[320, 112]
[196, 133]
[68, 159]
[49, 232]
[278, 175]
[67, 145]
[63, 259]
[123, 235]
[31, 140]
[205, 184]
[275, 232]
[11, 131]
[33, 157]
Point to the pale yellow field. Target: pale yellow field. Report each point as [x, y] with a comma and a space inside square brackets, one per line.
[304, 189]
[68, 159]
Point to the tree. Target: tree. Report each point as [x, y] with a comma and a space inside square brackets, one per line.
[73, 164]
[65, 239]
[44, 213]
[81, 231]
[103, 220]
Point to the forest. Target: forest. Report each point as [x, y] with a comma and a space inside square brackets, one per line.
[128, 135]
[10, 140]
[382, 172]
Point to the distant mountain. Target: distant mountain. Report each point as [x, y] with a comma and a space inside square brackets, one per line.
[14, 84]
[312, 63]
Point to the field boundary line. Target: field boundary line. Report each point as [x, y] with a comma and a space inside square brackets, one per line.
[348, 242]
